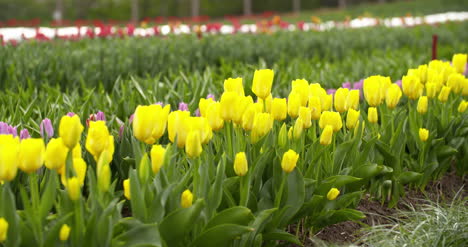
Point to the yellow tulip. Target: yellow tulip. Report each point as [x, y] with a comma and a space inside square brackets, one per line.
[326, 102]
[201, 125]
[374, 90]
[64, 233]
[372, 115]
[97, 139]
[315, 107]
[262, 124]
[412, 86]
[70, 130]
[279, 109]
[239, 108]
[436, 77]
[126, 186]
[393, 96]
[444, 93]
[352, 101]
[459, 62]
[204, 104]
[327, 135]
[331, 118]
[422, 69]
[288, 163]
[422, 105]
[157, 157]
[228, 102]
[431, 89]
[352, 118]
[262, 82]
[73, 188]
[178, 125]
[31, 154]
[249, 117]
[423, 134]
[55, 154]
[341, 96]
[9, 152]
[149, 122]
[234, 85]
[213, 114]
[193, 147]
[79, 167]
[294, 103]
[464, 87]
[186, 199]
[462, 106]
[333, 194]
[3, 230]
[455, 82]
[316, 90]
[240, 164]
[298, 128]
[282, 136]
[301, 87]
[306, 116]
[104, 177]
[266, 103]
[76, 152]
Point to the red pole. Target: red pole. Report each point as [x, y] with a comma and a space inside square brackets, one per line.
[434, 47]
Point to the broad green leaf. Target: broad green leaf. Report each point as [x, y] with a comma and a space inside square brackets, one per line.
[235, 215]
[221, 235]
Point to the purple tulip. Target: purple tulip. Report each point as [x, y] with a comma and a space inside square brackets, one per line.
[121, 130]
[3, 128]
[100, 116]
[12, 131]
[183, 106]
[71, 114]
[211, 96]
[358, 85]
[197, 113]
[346, 85]
[159, 103]
[130, 119]
[24, 134]
[331, 91]
[46, 125]
[398, 83]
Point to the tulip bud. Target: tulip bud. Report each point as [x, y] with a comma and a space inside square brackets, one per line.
[186, 199]
[327, 135]
[444, 93]
[3, 230]
[64, 233]
[294, 103]
[431, 89]
[262, 124]
[459, 62]
[393, 96]
[73, 188]
[306, 116]
[298, 128]
[46, 126]
[228, 102]
[157, 157]
[193, 146]
[331, 118]
[422, 105]
[9, 151]
[341, 97]
[24, 134]
[178, 125]
[412, 86]
[149, 122]
[262, 82]
[126, 186]
[326, 102]
[104, 178]
[203, 105]
[240, 107]
[55, 154]
[213, 114]
[372, 115]
[301, 87]
[373, 88]
[288, 163]
[462, 106]
[352, 118]
[234, 85]
[70, 130]
[333, 194]
[279, 109]
[315, 107]
[423, 134]
[249, 117]
[31, 154]
[455, 82]
[283, 136]
[352, 101]
[240, 164]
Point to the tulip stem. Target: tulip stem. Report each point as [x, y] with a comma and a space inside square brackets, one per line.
[244, 190]
[279, 194]
[35, 200]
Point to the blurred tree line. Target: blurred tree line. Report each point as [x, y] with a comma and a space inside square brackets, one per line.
[138, 9]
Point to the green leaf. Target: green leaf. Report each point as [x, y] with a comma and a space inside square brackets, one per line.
[135, 233]
[336, 216]
[138, 201]
[221, 235]
[336, 182]
[409, 177]
[368, 171]
[49, 194]
[236, 215]
[281, 235]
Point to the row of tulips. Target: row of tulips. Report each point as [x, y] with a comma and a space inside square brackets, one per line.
[242, 171]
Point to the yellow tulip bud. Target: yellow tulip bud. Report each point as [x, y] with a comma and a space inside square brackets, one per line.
[422, 105]
[412, 86]
[213, 114]
[73, 188]
[64, 233]
[240, 164]
[283, 136]
[301, 87]
[70, 130]
[262, 124]
[315, 90]
[9, 153]
[178, 125]
[97, 139]
[352, 101]
[393, 96]
[290, 133]
[279, 109]
[149, 122]
[157, 157]
[422, 69]
[262, 82]
[352, 118]
[193, 147]
[326, 102]
[327, 135]
[333, 194]
[315, 107]
[249, 117]
[294, 103]
[455, 82]
[423, 134]
[104, 177]
[228, 102]
[306, 116]
[288, 163]
[431, 90]
[372, 115]
[331, 118]
[240, 107]
[76, 152]
[298, 128]
[203, 105]
[3, 230]
[186, 199]
[444, 93]
[31, 154]
[201, 125]
[459, 62]
[234, 85]
[462, 106]
[341, 97]
[79, 167]
[126, 186]
[374, 89]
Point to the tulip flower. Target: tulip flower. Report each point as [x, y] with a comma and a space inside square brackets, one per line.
[431, 90]
[301, 87]
[331, 118]
[24, 134]
[266, 103]
[242, 104]
[213, 114]
[282, 136]
[3, 230]
[459, 62]
[31, 154]
[55, 154]
[294, 103]
[422, 105]
[352, 101]
[234, 85]
[104, 176]
[193, 146]
[375, 88]
[455, 82]
[98, 139]
[100, 116]
[423, 134]
[70, 130]
[352, 118]
[462, 106]
[412, 86]
[203, 105]
[372, 115]
[298, 128]
[326, 102]
[465, 87]
[262, 124]
[186, 199]
[149, 122]
[64, 233]
[126, 186]
[333, 194]
[73, 188]
[305, 115]
[178, 125]
[327, 135]
[248, 117]
[279, 109]
[422, 72]
[228, 102]
[9, 152]
[444, 93]
[157, 157]
[341, 97]
[262, 82]
[393, 96]
[315, 107]
[240, 164]
[183, 106]
[288, 163]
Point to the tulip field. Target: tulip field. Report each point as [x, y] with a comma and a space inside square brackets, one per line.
[224, 140]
